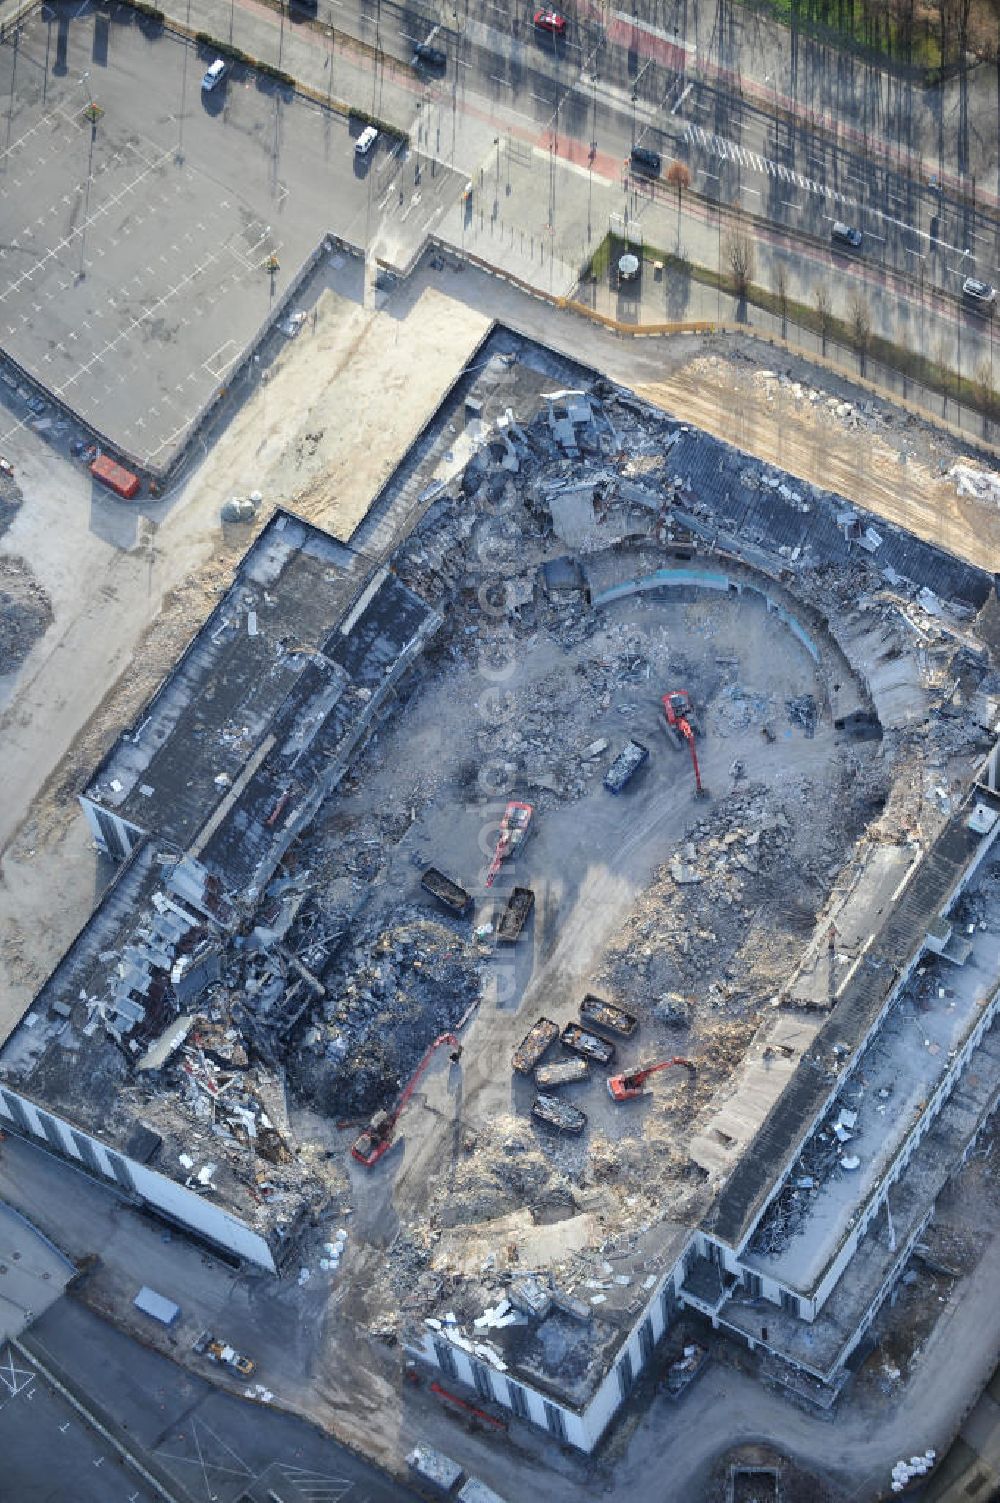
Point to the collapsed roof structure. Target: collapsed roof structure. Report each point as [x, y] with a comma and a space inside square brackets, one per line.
[241, 743]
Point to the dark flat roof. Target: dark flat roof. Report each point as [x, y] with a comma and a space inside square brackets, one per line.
[208, 716]
[323, 719]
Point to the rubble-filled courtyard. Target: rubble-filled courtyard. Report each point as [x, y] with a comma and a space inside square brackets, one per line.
[567, 558]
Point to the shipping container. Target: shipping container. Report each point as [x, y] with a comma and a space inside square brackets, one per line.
[161, 1309]
[115, 476]
[559, 1114]
[601, 1014]
[436, 1468]
[563, 1072]
[446, 891]
[515, 915]
[536, 1041]
[590, 1045]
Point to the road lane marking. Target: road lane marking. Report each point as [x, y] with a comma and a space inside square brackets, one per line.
[681, 100]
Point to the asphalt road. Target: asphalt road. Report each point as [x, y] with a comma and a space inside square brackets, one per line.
[218, 1448]
[854, 153]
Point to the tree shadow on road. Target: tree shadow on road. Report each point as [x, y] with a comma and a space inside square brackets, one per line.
[677, 292]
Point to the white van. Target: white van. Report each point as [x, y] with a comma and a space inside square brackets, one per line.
[365, 141]
[215, 75]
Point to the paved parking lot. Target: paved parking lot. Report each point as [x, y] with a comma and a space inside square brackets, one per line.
[48, 1451]
[215, 1448]
[139, 213]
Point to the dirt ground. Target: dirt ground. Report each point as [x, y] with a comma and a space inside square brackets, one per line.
[864, 450]
[334, 421]
[25, 613]
[128, 589]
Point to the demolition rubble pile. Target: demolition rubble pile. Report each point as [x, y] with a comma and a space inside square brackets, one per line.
[725, 917]
[11, 497]
[235, 1109]
[388, 995]
[511, 1213]
[25, 612]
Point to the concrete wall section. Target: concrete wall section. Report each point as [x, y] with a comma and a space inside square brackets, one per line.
[171, 1199]
[115, 836]
[707, 579]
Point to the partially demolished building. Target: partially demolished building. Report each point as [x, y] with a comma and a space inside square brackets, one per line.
[910, 1109]
[811, 1174]
[200, 801]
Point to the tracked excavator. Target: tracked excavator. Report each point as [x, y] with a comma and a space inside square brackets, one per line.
[628, 1087]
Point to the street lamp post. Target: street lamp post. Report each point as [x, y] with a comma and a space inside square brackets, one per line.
[93, 113]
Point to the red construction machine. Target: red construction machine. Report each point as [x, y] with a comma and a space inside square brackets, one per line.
[628, 1087]
[513, 833]
[680, 718]
[377, 1136]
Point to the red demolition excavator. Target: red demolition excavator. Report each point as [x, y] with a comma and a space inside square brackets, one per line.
[680, 727]
[628, 1087]
[513, 833]
[377, 1136]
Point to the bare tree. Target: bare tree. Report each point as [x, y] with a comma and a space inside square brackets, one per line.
[738, 250]
[824, 312]
[781, 293]
[985, 393]
[903, 13]
[679, 177]
[942, 360]
[859, 319]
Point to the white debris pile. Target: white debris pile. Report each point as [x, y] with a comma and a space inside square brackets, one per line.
[333, 1252]
[984, 485]
[904, 1472]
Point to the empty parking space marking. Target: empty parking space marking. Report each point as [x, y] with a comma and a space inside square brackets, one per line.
[91, 220]
[221, 361]
[14, 1380]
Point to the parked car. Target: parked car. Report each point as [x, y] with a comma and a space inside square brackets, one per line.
[550, 21]
[646, 160]
[980, 294]
[365, 141]
[846, 234]
[215, 75]
[430, 57]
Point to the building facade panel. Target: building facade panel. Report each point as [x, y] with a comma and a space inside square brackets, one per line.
[165, 1195]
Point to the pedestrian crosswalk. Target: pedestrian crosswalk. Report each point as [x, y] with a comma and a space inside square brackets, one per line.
[729, 151]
